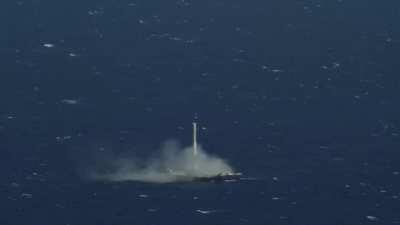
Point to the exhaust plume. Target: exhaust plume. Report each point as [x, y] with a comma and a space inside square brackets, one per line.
[168, 165]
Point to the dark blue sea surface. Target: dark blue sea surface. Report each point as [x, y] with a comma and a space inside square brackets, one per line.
[302, 96]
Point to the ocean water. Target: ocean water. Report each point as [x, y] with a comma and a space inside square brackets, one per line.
[302, 97]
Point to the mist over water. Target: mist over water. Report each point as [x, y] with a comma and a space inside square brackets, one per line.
[170, 164]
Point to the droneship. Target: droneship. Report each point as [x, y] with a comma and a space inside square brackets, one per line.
[223, 176]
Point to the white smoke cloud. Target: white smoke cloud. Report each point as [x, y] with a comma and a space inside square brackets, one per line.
[172, 164]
